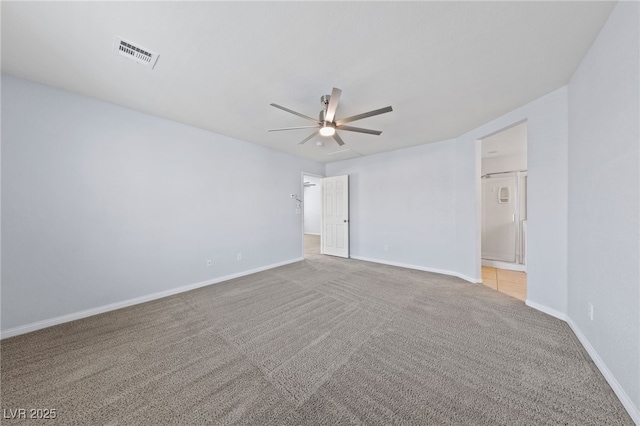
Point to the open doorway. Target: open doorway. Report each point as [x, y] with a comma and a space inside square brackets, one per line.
[312, 214]
[504, 210]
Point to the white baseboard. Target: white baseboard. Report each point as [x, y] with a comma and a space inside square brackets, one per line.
[631, 408]
[312, 233]
[419, 268]
[547, 310]
[135, 301]
[633, 411]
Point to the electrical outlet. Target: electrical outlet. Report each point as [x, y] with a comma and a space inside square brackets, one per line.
[386, 247]
[590, 311]
[239, 257]
[208, 262]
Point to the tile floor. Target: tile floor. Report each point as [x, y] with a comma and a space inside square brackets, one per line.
[513, 283]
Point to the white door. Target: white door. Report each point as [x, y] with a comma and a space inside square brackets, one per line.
[335, 216]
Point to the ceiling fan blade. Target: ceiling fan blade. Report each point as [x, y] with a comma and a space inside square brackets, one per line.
[295, 113]
[333, 104]
[359, 130]
[308, 138]
[364, 115]
[338, 139]
[292, 128]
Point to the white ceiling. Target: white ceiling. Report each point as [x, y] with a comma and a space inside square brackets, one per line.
[445, 67]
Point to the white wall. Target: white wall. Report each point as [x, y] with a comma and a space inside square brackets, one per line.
[312, 205]
[406, 200]
[504, 163]
[101, 204]
[604, 192]
[547, 139]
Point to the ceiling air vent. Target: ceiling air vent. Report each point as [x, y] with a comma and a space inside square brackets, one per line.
[135, 52]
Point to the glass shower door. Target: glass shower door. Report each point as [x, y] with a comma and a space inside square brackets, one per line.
[499, 226]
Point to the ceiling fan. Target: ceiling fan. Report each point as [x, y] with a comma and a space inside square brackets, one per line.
[327, 124]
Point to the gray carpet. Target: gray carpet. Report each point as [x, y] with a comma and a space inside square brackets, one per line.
[324, 341]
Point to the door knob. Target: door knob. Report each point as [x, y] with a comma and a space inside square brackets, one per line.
[345, 221]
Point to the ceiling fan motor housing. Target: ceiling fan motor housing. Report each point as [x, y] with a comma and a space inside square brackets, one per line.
[327, 128]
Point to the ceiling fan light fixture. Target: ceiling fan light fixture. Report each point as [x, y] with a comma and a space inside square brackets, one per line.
[327, 130]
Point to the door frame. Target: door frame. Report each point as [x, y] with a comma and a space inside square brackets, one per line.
[478, 182]
[302, 175]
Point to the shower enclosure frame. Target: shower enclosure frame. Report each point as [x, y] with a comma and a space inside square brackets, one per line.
[519, 221]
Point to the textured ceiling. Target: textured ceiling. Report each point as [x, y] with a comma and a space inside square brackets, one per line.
[445, 67]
